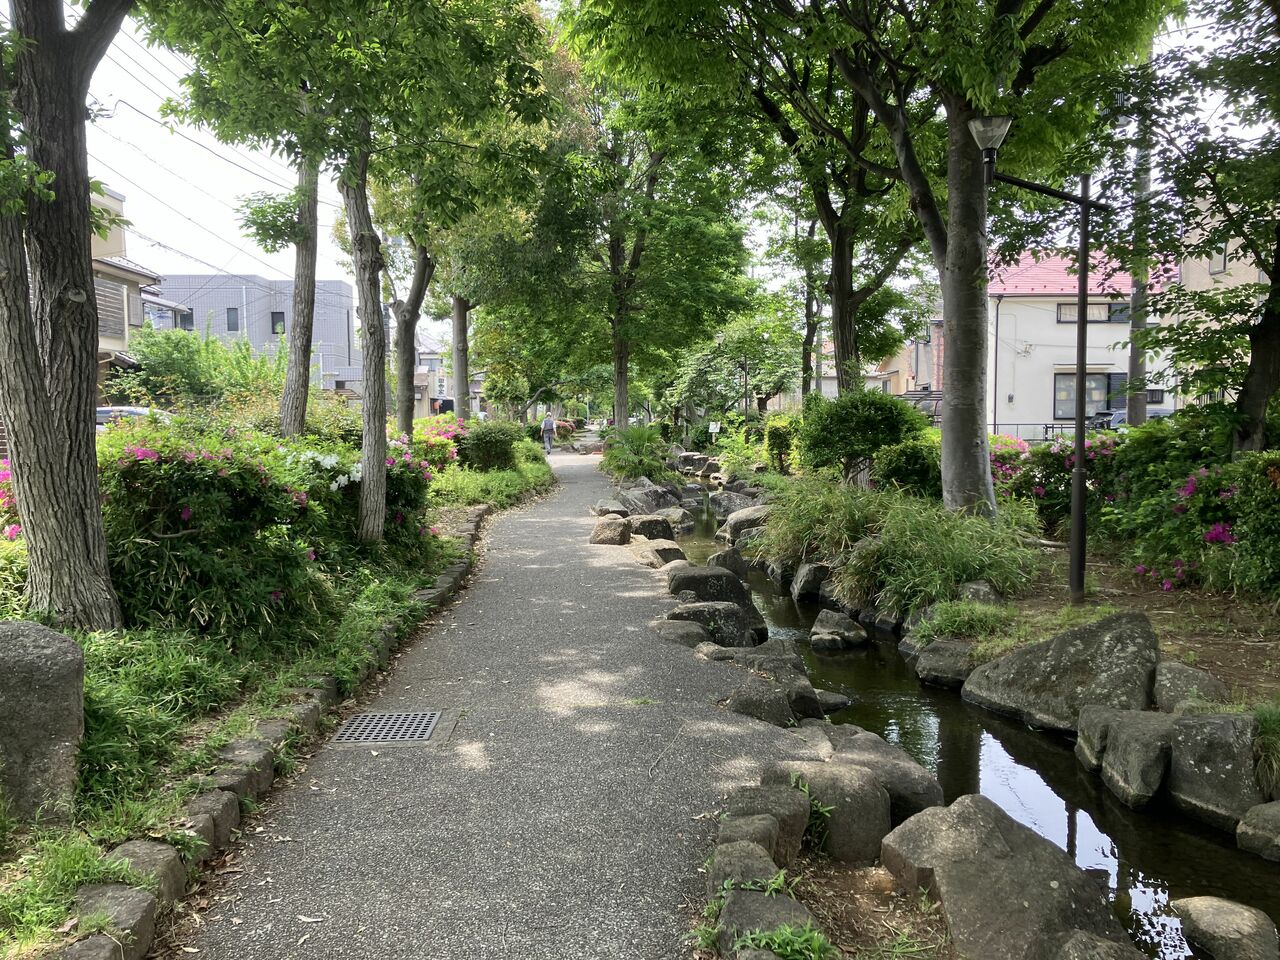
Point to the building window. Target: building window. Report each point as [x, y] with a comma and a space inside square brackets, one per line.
[1115, 311]
[233, 319]
[277, 321]
[186, 320]
[1218, 261]
[1064, 395]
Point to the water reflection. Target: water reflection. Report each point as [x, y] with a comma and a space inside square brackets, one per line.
[1147, 858]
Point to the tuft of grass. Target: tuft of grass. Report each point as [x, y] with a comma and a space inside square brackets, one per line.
[998, 630]
[39, 899]
[790, 943]
[816, 829]
[1266, 747]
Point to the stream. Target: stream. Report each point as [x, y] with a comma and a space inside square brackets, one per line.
[1148, 857]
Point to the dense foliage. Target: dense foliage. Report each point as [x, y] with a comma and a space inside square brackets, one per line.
[635, 452]
[846, 432]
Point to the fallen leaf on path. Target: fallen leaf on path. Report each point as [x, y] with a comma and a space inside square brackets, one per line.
[310, 919]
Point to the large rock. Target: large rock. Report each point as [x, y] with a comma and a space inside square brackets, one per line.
[726, 502]
[763, 700]
[809, 579]
[739, 863]
[1176, 683]
[690, 461]
[1085, 946]
[657, 553]
[1136, 760]
[1006, 892]
[1093, 730]
[158, 861]
[945, 663]
[1227, 930]
[41, 720]
[1109, 663]
[1259, 830]
[1211, 772]
[859, 805]
[730, 559]
[130, 912]
[681, 520]
[684, 632]
[653, 526]
[746, 911]
[611, 531]
[833, 632]
[717, 584]
[643, 496]
[761, 828]
[749, 518]
[605, 507]
[911, 787]
[726, 623]
[786, 804]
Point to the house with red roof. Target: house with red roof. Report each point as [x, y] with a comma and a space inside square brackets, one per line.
[1031, 381]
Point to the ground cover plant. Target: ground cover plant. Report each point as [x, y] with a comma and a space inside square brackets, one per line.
[634, 452]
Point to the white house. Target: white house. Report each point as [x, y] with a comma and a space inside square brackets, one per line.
[1032, 347]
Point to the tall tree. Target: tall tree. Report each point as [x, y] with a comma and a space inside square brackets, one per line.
[49, 333]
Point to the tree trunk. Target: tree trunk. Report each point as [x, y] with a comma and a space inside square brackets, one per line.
[817, 356]
[621, 366]
[48, 353]
[407, 312]
[297, 378]
[811, 321]
[844, 311]
[1136, 407]
[1263, 376]
[461, 359]
[366, 251]
[966, 463]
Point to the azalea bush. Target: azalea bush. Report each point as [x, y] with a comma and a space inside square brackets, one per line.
[490, 444]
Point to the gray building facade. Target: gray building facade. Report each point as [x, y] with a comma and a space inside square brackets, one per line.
[249, 307]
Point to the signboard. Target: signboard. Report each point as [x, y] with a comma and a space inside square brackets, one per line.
[714, 426]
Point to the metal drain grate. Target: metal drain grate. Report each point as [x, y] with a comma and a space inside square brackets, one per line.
[387, 727]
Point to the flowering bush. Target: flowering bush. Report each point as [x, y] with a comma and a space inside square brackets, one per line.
[1044, 475]
[1008, 457]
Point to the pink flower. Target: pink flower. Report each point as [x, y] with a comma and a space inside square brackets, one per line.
[1219, 533]
[1179, 508]
[435, 531]
[1140, 569]
[1167, 586]
[276, 596]
[12, 530]
[311, 554]
[1038, 491]
[390, 462]
[185, 513]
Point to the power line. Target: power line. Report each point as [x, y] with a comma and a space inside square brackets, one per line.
[173, 173]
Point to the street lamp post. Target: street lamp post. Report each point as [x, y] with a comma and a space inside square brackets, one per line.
[989, 134]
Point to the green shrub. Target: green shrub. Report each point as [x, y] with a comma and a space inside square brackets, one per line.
[636, 452]
[912, 466]
[181, 369]
[818, 519]
[847, 432]
[779, 441]
[738, 453]
[13, 579]
[490, 444]
[1267, 747]
[501, 488]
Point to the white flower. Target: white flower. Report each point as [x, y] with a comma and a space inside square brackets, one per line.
[333, 486]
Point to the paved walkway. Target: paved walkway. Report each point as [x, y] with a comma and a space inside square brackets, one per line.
[564, 816]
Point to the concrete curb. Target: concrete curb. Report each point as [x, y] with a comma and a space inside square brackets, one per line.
[247, 771]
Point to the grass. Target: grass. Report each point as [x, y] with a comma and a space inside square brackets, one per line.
[38, 891]
[790, 943]
[1267, 746]
[996, 630]
[815, 830]
[502, 488]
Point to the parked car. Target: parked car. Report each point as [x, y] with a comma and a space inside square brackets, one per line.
[108, 415]
[1110, 419]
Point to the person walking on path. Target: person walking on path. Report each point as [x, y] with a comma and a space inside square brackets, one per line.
[548, 432]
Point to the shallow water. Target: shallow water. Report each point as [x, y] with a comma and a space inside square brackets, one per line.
[1148, 857]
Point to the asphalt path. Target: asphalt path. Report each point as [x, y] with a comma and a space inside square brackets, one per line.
[563, 808]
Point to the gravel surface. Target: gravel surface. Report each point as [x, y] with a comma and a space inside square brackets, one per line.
[563, 808]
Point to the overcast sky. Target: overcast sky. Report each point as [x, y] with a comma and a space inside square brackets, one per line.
[182, 188]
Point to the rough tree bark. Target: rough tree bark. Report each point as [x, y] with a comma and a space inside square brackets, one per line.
[812, 318]
[48, 352]
[297, 378]
[461, 358]
[966, 462]
[366, 251]
[1263, 376]
[621, 367]
[407, 312]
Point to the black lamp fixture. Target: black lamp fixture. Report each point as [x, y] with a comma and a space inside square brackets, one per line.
[989, 134]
